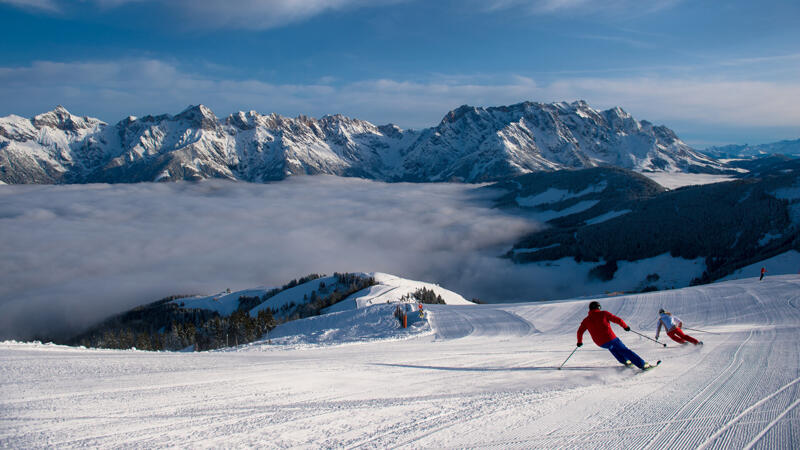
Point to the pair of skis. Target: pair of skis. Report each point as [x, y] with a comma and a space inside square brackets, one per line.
[647, 366]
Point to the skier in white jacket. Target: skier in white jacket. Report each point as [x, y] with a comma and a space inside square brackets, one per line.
[673, 326]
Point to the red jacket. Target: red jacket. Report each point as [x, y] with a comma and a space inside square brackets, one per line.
[597, 322]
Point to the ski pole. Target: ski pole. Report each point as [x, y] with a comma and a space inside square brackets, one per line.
[568, 357]
[701, 331]
[648, 337]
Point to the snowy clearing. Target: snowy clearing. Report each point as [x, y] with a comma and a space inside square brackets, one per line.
[553, 195]
[607, 216]
[663, 272]
[550, 214]
[675, 180]
[483, 376]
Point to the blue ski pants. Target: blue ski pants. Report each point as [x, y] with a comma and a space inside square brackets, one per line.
[622, 353]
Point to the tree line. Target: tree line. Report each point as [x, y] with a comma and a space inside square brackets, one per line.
[169, 325]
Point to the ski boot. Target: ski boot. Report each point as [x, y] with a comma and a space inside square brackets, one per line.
[648, 366]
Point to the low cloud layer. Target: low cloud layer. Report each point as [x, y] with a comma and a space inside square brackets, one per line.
[73, 255]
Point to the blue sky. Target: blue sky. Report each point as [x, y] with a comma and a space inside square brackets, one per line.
[715, 71]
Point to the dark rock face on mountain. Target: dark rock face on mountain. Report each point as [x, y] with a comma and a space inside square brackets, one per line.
[730, 224]
[470, 145]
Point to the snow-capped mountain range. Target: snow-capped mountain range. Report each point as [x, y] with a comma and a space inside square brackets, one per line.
[787, 147]
[470, 144]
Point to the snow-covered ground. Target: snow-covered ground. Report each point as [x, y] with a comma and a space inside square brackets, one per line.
[662, 272]
[783, 264]
[675, 180]
[387, 289]
[471, 376]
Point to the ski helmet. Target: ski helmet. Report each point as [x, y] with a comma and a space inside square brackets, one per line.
[594, 305]
[661, 311]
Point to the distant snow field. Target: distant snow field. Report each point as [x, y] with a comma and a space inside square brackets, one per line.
[675, 180]
[662, 272]
[784, 264]
[463, 376]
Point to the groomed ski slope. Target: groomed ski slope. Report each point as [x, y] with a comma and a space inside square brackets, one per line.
[481, 376]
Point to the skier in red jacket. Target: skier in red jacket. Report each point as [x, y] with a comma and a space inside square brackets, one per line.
[597, 322]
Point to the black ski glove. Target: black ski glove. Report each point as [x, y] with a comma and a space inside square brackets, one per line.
[627, 328]
[579, 344]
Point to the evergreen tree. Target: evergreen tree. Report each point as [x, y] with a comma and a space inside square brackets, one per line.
[172, 339]
[143, 341]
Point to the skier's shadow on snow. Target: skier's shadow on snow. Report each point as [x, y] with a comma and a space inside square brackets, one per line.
[498, 369]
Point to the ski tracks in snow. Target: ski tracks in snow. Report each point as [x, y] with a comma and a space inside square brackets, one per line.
[749, 409]
[487, 379]
[453, 322]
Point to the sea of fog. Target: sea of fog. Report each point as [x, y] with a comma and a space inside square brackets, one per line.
[75, 254]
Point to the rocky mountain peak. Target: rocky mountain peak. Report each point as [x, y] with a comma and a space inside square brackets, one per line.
[459, 113]
[61, 119]
[391, 130]
[342, 123]
[199, 116]
[243, 120]
[618, 112]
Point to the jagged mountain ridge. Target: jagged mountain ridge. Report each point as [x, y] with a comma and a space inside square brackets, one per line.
[470, 144]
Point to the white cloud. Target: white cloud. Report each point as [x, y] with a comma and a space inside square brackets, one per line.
[43, 5]
[636, 43]
[265, 14]
[114, 3]
[711, 101]
[260, 14]
[238, 14]
[559, 5]
[538, 6]
[579, 7]
[112, 90]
